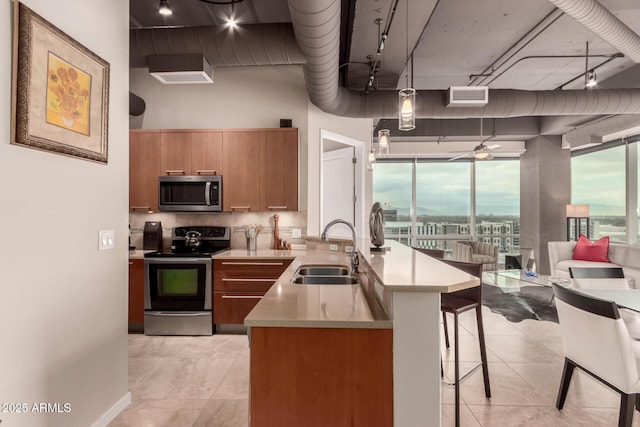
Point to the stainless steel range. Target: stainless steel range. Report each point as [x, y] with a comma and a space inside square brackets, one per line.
[178, 283]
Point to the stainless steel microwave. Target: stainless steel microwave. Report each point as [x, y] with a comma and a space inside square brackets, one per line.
[186, 193]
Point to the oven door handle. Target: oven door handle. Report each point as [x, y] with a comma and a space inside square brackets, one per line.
[207, 193]
[177, 313]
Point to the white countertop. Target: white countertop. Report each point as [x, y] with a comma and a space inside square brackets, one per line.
[260, 253]
[402, 269]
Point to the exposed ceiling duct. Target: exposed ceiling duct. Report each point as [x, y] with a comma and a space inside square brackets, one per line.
[593, 133]
[317, 29]
[254, 44]
[604, 24]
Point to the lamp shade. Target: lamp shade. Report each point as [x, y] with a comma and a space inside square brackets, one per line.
[577, 211]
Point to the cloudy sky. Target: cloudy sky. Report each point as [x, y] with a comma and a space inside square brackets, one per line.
[598, 179]
[444, 188]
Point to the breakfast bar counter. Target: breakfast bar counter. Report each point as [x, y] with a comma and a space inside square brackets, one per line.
[399, 289]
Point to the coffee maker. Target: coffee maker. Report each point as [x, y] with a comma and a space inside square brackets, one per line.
[152, 236]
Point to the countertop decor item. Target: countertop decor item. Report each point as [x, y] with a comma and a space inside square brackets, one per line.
[60, 89]
[376, 226]
[251, 232]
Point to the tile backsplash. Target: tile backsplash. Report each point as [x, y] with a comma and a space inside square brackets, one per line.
[287, 221]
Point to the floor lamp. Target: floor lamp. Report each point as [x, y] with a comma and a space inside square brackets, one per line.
[575, 214]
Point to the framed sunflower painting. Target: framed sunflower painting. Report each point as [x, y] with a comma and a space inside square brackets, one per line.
[60, 91]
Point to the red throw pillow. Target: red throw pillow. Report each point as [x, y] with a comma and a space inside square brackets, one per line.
[592, 251]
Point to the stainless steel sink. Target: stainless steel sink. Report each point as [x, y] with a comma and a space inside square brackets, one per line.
[322, 270]
[325, 280]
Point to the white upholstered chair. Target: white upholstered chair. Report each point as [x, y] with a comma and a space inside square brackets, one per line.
[606, 278]
[596, 341]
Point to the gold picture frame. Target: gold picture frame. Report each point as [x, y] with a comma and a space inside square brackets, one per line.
[60, 99]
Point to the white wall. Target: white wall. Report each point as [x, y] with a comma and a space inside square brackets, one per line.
[359, 129]
[63, 304]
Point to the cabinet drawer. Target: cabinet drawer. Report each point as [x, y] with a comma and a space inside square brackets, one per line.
[244, 268]
[233, 307]
[243, 284]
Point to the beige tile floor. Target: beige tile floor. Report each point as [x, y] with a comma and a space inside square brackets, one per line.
[203, 381]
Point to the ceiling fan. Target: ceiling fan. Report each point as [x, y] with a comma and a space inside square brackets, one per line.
[480, 151]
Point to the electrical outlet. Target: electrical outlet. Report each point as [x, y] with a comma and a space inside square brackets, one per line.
[348, 249]
[106, 239]
[296, 233]
[333, 247]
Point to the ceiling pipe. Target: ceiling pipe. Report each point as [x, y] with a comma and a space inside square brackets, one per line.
[252, 44]
[604, 24]
[594, 132]
[317, 28]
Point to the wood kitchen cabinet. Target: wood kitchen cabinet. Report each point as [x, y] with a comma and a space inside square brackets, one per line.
[144, 168]
[279, 170]
[240, 283]
[241, 160]
[321, 377]
[191, 152]
[136, 295]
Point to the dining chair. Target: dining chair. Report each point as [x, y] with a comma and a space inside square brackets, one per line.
[457, 303]
[596, 341]
[606, 278]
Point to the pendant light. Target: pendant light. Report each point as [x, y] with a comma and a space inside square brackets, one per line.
[383, 141]
[407, 96]
[164, 8]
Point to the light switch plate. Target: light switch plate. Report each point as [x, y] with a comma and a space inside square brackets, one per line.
[296, 233]
[106, 239]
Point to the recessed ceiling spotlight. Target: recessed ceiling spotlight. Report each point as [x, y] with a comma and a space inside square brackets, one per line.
[164, 8]
[590, 79]
[232, 22]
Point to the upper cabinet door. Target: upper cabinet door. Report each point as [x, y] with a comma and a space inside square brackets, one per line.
[144, 169]
[206, 153]
[241, 160]
[279, 170]
[176, 153]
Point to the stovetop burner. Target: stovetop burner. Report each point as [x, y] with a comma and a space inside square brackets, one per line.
[210, 240]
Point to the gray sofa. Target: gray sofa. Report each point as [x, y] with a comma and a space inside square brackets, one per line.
[625, 256]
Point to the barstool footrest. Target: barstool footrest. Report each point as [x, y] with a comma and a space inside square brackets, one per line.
[462, 377]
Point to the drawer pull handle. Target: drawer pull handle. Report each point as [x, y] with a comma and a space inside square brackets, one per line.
[249, 280]
[241, 296]
[277, 207]
[206, 172]
[241, 208]
[250, 263]
[174, 172]
[141, 208]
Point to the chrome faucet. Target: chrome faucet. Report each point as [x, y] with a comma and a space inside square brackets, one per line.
[354, 255]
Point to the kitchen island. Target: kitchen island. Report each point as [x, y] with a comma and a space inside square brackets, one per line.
[394, 313]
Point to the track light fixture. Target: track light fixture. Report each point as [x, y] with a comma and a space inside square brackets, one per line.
[164, 8]
[590, 80]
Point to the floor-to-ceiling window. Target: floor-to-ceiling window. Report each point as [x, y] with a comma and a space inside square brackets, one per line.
[598, 179]
[498, 203]
[429, 203]
[443, 202]
[393, 186]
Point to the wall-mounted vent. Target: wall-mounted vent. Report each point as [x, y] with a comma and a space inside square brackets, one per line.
[468, 96]
[181, 69]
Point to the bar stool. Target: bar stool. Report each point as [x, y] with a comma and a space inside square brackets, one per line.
[457, 303]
